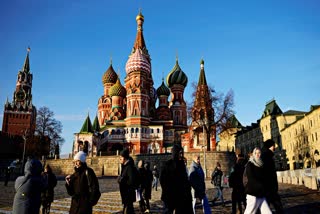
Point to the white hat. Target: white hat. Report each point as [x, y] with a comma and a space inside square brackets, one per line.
[81, 156]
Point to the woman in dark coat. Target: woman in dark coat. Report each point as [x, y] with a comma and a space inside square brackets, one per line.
[47, 195]
[77, 186]
[255, 186]
[27, 199]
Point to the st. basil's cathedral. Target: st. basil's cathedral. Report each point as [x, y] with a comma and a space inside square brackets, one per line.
[127, 115]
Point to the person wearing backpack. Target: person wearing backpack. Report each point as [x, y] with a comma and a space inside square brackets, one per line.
[82, 186]
[129, 181]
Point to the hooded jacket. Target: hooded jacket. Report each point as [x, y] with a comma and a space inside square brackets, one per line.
[27, 199]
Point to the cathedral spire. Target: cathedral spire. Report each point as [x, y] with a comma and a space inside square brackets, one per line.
[139, 42]
[202, 77]
[26, 66]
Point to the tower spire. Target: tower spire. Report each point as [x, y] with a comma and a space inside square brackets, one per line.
[202, 77]
[26, 65]
[139, 42]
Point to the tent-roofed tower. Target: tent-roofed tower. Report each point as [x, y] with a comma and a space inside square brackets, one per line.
[203, 114]
[20, 115]
[140, 91]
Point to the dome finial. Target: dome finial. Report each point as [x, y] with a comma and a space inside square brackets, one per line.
[111, 59]
[177, 57]
[28, 49]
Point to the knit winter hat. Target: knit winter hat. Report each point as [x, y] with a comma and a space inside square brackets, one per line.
[81, 156]
[269, 143]
[125, 153]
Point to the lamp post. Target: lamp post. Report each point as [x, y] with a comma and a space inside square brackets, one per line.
[204, 152]
[24, 136]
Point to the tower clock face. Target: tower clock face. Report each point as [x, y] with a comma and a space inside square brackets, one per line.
[20, 95]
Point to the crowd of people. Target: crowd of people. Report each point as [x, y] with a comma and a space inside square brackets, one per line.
[253, 182]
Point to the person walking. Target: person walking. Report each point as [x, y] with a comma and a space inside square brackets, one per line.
[271, 175]
[175, 185]
[255, 187]
[216, 180]
[142, 186]
[82, 186]
[197, 181]
[128, 181]
[155, 174]
[27, 199]
[236, 183]
[47, 195]
[148, 186]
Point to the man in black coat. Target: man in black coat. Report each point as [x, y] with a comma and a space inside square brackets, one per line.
[176, 189]
[271, 175]
[128, 181]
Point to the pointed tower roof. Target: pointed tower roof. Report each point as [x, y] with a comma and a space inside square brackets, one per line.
[202, 77]
[87, 126]
[139, 42]
[271, 108]
[96, 126]
[234, 122]
[26, 65]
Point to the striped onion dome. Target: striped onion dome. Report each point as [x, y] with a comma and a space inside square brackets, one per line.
[163, 90]
[110, 76]
[138, 62]
[117, 90]
[177, 76]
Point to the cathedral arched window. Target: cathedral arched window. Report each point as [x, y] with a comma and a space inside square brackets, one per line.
[132, 130]
[137, 130]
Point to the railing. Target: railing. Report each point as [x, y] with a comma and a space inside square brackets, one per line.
[309, 177]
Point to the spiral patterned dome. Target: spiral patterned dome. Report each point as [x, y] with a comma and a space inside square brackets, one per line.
[110, 76]
[117, 90]
[177, 76]
[138, 62]
[163, 90]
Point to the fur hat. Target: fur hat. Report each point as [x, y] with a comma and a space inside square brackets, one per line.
[81, 156]
[125, 153]
[268, 143]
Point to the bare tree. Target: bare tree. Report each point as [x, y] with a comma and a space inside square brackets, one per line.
[48, 127]
[211, 117]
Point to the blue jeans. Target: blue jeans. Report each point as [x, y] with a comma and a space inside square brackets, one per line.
[205, 205]
[155, 183]
[219, 194]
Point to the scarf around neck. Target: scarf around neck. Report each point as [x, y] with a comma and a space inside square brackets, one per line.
[256, 161]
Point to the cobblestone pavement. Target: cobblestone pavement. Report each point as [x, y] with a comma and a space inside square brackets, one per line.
[296, 199]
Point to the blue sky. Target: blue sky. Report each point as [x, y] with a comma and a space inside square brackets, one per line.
[260, 49]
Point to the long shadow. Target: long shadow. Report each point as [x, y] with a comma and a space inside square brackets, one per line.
[312, 208]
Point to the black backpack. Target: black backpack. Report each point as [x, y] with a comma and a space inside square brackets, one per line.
[94, 193]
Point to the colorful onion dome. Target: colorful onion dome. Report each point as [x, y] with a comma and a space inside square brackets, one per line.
[117, 90]
[138, 62]
[177, 76]
[110, 76]
[163, 90]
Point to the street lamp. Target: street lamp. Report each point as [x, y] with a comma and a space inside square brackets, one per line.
[24, 136]
[204, 151]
